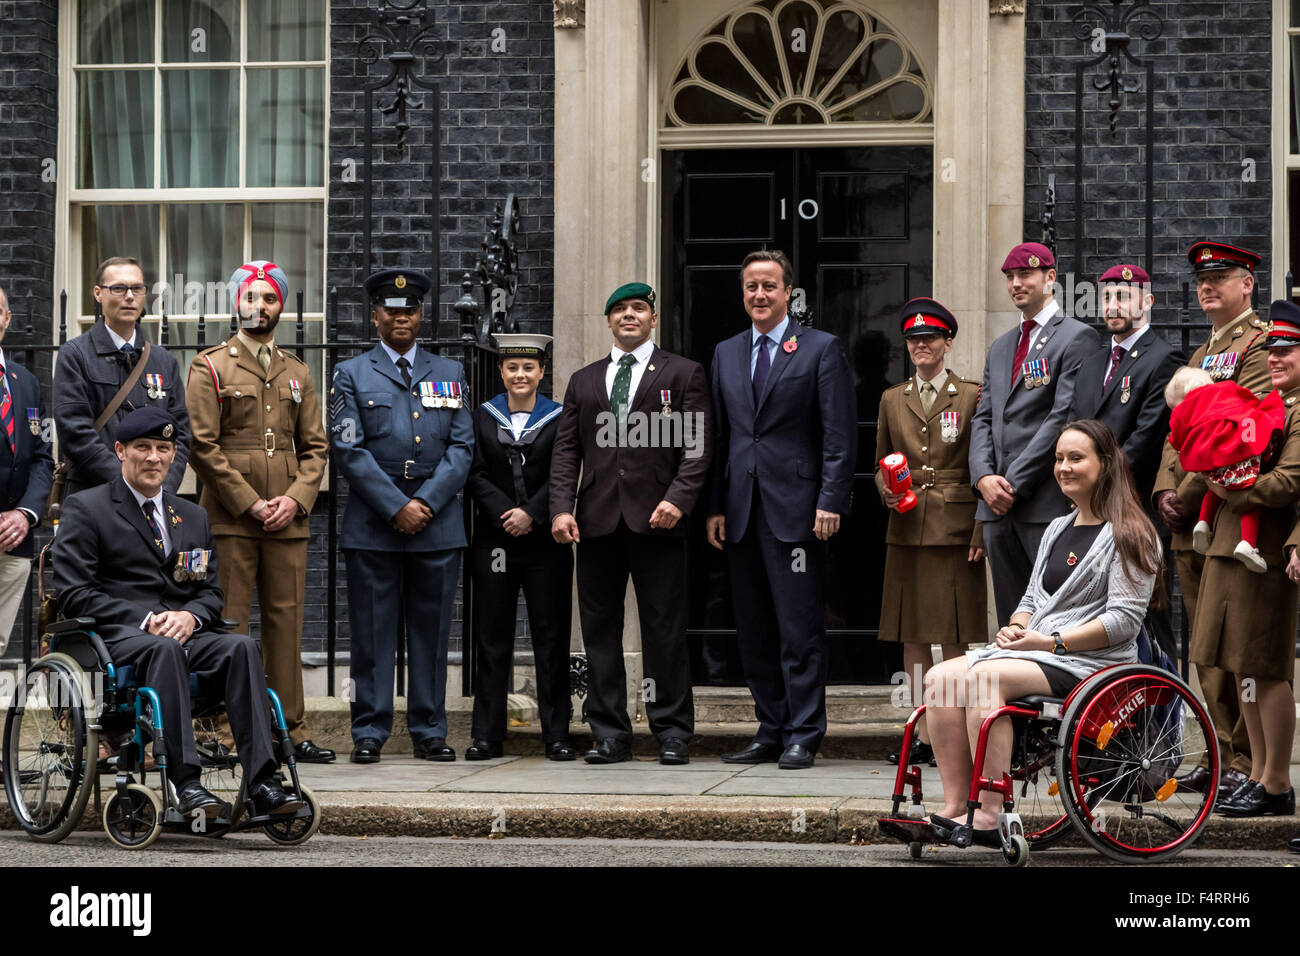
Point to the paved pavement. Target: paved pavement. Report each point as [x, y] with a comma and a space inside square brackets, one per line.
[250, 850]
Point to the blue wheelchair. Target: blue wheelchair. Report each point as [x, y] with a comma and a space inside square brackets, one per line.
[71, 697]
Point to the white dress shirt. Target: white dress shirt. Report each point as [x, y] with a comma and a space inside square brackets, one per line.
[1126, 344]
[774, 339]
[1041, 320]
[642, 354]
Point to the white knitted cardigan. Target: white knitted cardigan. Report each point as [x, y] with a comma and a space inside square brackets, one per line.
[1097, 587]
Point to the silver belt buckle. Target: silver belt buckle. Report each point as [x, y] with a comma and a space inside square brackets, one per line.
[406, 468]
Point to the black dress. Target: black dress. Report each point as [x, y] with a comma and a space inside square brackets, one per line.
[510, 472]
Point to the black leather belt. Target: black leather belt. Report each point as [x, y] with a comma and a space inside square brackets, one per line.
[410, 468]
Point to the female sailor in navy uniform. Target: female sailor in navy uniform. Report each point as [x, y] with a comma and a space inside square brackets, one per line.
[513, 548]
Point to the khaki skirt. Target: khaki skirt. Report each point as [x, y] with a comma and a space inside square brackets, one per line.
[1245, 622]
[933, 595]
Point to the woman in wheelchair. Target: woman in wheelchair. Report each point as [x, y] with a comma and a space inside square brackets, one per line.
[1088, 593]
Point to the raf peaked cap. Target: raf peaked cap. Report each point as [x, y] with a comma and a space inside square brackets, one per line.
[398, 288]
[147, 422]
[925, 316]
[1207, 256]
[1285, 328]
[630, 290]
[1029, 255]
[1126, 272]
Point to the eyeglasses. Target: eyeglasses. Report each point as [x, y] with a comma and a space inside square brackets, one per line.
[121, 290]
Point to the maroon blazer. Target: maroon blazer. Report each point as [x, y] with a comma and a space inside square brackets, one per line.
[656, 457]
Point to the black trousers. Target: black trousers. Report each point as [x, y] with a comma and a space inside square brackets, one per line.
[229, 661]
[657, 566]
[545, 572]
[777, 591]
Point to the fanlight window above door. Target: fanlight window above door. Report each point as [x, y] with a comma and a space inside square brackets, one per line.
[799, 62]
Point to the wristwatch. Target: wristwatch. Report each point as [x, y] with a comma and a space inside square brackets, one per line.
[1060, 650]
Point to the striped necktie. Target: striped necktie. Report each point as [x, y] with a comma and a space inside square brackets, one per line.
[7, 410]
[147, 505]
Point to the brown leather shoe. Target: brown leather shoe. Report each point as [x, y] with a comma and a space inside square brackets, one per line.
[1198, 781]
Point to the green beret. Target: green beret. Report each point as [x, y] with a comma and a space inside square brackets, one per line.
[630, 290]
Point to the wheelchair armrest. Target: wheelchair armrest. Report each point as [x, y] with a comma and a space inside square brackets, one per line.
[71, 624]
[228, 625]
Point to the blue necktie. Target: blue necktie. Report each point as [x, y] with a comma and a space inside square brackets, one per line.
[147, 505]
[761, 367]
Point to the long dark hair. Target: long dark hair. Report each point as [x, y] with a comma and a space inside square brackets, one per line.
[1114, 499]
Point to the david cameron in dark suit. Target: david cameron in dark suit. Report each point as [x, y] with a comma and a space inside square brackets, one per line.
[785, 418]
[635, 427]
[1124, 383]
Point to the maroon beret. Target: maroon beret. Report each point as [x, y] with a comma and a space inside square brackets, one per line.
[1207, 256]
[1029, 255]
[1126, 272]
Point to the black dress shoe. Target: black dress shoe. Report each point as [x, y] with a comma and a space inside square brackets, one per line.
[921, 753]
[561, 750]
[192, 798]
[1294, 845]
[609, 750]
[434, 748]
[754, 753]
[1229, 795]
[796, 757]
[308, 752]
[269, 799]
[483, 750]
[1258, 802]
[673, 751]
[1198, 781]
[366, 750]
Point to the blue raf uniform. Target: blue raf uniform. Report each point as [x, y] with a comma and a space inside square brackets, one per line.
[396, 443]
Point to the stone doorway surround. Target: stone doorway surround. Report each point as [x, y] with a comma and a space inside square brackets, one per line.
[610, 79]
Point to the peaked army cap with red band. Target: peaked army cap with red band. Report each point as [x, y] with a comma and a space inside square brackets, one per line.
[925, 316]
[1208, 256]
[250, 272]
[1029, 255]
[1125, 272]
[1222, 424]
[1284, 330]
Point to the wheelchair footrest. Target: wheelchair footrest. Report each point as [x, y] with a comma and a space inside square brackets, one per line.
[909, 830]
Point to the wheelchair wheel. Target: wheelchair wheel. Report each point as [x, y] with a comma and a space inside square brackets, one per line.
[221, 773]
[1018, 853]
[48, 779]
[133, 821]
[294, 831]
[1128, 733]
[1037, 792]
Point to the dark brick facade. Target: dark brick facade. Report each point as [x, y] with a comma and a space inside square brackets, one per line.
[1212, 115]
[29, 53]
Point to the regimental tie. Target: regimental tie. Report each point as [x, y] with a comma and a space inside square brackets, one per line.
[405, 368]
[7, 409]
[622, 385]
[1022, 350]
[927, 396]
[264, 358]
[128, 354]
[1116, 356]
[147, 505]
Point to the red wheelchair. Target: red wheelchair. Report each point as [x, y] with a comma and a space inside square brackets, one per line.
[1101, 763]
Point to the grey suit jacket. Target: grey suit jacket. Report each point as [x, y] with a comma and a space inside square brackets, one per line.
[1015, 428]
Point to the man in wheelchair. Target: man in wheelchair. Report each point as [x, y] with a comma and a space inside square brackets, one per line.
[142, 564]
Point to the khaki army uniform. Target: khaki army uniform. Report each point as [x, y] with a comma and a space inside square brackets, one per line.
[933, 594]
[1246, 622]
[259, 434]
[1245, 338]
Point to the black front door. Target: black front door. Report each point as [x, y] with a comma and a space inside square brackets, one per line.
[856, 223]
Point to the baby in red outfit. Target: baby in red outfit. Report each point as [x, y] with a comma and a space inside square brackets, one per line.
[1229, 436]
